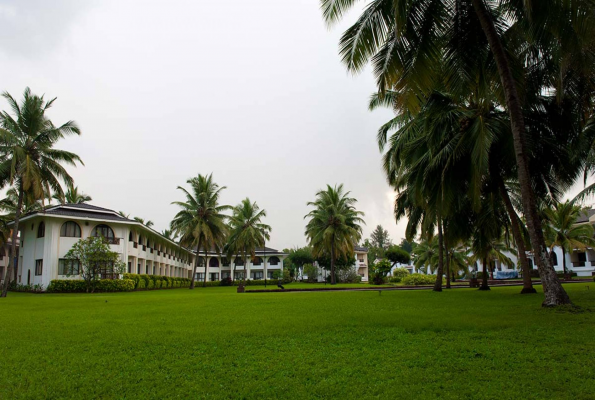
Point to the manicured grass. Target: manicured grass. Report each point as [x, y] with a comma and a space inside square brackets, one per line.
[215, 343]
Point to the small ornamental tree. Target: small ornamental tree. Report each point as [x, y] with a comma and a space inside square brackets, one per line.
[395, 255]
[311, 272]
[379, 271]
[94, 258]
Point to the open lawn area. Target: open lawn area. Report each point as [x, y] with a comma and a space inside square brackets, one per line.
[216, 343]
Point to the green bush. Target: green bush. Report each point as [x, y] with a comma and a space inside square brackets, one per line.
[398, 274]
[79, 285]
[151, 284]
[419, 279]
[140, 284]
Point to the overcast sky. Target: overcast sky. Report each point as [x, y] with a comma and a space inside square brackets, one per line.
[253, 92]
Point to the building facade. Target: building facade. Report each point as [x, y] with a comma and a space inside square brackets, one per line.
[46, 236]
[360, 265]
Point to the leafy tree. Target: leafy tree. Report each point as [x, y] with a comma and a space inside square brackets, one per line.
[247, 231]
[407, 246]
[380, 238]
[562, 230]
[298, 257]
[342, 262]
[72, 196]
[311, 272]
[201, 223]
[397, 255]
[379, 270]
[28, 159]
[94, 259]
[374, 252]
[334, 225]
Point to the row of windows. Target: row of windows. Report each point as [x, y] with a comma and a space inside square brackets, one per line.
[214, 276]
[214, 262]
[72, 229]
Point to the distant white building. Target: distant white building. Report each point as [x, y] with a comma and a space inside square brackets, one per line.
[360, 266]
[46, 236]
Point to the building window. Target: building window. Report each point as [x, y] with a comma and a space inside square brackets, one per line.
[130, 237]
[239, 261]
[270, 274]
[41, 230]
[361, 260]
[70, 229]
[213, 262]
[225, 262]
[214, 276]
[274, 260]
[239, 275]
[225, 274]
[105, 232]
[256, 261]
[200, 276]
[38, 267]
[68, 267]
[129, 267]
[256, 275]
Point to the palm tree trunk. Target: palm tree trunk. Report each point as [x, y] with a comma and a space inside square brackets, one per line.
[13, 245]
[204, 282]
[564, 261]
[552, 288]
[440, 272]
[195, 265]
[333, 279]
[245, 267]
[518, 238]
[447, 257]
[484, 277]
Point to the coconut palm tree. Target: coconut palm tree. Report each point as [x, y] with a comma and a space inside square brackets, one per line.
[200, 223]
[246, 231]
[412, 45]
[148, 223]
[72, 196]
[28, 159]
[10, 202]
[562, 230]
[426, 255]
[334, 225]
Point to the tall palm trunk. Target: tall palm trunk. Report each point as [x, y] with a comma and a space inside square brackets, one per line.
[563, 260]
[518, 238]
[440, 272]
[553, 290]
[204, 282]
[447, 256]
[13, 245]
[195, 265]
[333, 278]
[484, 277]
[245, 267]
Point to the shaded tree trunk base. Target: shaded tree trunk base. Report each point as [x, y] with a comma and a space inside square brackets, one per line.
[437, 289]
[529, 290]
[484, 288]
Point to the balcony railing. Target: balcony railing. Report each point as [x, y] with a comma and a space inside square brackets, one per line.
[135, 245]
[112, 240]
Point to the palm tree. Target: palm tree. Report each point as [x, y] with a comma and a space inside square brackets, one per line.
[426, 255]
[123, 214]
[167, 233]
[246, 231]
[10, 202]
[562, 230]
[201, 223]
[335, 225]
[413, 45]
[148, 224]
[28, 159]
[72, 196]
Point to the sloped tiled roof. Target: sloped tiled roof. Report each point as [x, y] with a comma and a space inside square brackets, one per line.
[584, 216]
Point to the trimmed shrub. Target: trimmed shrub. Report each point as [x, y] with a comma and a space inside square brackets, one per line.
[151, 284]
[348, 276]
[79, 285]
[140, 284]
[419, 279]
[225, 282]
[398, 274]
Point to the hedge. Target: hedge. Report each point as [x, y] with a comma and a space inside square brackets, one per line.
[80, 286]
[419, 279]
[142, 281]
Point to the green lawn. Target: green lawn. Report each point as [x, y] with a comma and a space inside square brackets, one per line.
[215, 343]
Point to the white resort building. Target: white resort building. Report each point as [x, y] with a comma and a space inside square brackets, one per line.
[46, 236]
[360, 266]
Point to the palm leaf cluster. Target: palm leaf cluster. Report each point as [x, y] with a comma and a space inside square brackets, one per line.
[334, 225]
[29, 161]
[493, 107]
